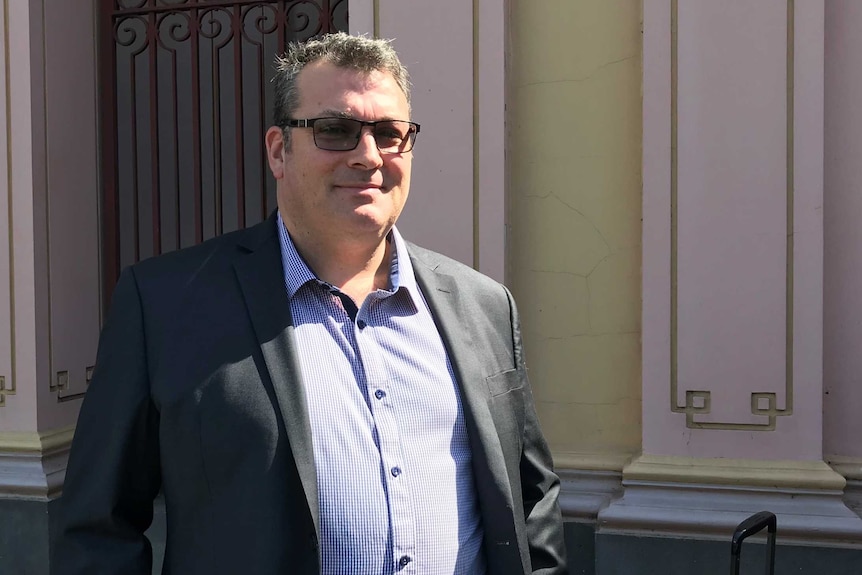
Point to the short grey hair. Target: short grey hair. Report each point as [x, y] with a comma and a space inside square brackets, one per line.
[351, 52]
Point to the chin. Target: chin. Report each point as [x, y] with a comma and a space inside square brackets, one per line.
[372, 214]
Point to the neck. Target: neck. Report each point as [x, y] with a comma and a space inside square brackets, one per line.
[356, 268]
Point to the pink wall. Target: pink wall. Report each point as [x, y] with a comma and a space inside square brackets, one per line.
[440, 209]
[842, 361]
[455, 53]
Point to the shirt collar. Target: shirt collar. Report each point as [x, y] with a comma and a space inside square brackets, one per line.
[297, 273]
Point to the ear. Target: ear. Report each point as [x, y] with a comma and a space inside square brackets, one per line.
[275, 151]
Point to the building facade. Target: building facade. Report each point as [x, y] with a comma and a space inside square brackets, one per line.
[671, 188]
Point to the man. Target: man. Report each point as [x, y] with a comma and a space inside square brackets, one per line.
[314, 394]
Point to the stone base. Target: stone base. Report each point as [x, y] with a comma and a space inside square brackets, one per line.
[592, 553]
[851, 469]
[583, 493]
[705, 499]
[25, 536]
[33, 465]
[853, 495]
[632, 555]
[26, 527]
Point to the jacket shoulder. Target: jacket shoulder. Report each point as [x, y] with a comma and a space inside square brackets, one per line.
[214, 252]
[461, 272]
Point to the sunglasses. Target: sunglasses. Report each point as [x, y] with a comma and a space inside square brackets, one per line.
[343, 134]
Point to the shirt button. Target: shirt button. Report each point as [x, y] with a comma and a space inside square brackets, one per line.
[379, 394]
[396, 471]
[360, 324]
[405, 559]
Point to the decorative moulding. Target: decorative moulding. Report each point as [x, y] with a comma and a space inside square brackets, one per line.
[583, 493]
[851, 469]
[33, 465]
[706, 498]
[592, 461]
[36, 442]
[588, 482]
[730, 472]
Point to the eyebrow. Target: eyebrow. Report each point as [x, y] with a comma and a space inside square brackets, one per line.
[329, 113]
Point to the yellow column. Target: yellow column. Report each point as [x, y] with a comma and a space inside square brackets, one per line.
[574, 251]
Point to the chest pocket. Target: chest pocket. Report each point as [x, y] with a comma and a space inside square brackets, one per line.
[505, 382]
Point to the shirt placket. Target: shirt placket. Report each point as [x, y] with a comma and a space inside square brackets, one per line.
[396, 475]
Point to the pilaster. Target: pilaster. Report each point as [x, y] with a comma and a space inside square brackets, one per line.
[589, 482]
[574, 245]
[50, 304]
[733, 154]
[842, 282]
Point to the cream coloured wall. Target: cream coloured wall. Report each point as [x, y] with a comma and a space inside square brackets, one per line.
[574, 248]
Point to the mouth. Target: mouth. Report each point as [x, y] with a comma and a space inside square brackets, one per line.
[360, 186]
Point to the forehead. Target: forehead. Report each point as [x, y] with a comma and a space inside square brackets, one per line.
[323, 86]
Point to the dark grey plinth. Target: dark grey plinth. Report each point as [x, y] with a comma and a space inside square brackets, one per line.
[25, 528]
[581, 548]
[629, 555]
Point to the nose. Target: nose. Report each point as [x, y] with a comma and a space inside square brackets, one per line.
[366, 155]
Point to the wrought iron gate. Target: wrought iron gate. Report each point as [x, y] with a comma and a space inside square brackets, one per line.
[186, 100]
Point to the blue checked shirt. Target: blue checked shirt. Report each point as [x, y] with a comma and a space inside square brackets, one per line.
[394, 476]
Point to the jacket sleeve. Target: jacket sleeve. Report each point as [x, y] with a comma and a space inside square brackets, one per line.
[540, 486]
[113, 471]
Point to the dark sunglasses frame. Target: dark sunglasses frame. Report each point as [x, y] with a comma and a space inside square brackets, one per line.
[349, 143]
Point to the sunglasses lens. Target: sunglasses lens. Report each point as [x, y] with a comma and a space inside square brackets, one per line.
[341, 134]
[392, 136]
[336, 133]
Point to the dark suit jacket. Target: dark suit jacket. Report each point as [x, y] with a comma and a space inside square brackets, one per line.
[197, 391]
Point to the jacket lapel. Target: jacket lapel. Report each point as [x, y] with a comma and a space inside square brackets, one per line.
[261, 278]
[452, 319]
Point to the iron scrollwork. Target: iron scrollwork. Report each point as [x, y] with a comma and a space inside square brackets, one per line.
[186, 109]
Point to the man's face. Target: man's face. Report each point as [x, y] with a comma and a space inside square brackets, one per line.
[353, 195]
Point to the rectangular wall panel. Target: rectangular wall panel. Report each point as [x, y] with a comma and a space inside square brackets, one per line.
[733, 232]
[7, 379]
[71, 123]
[732, 191]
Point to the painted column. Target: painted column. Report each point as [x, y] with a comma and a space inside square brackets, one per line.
[49, 307]
[575, 240]
[733, 96]
[842, 282]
